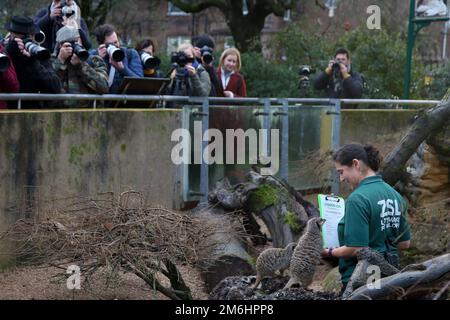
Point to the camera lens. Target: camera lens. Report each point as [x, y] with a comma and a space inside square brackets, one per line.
[115, 53]
[36, 50]
[81, 52]
[149, 61]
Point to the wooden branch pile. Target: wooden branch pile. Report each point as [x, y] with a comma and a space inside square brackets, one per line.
[123, 235]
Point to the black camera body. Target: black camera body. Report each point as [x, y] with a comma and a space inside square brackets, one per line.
[66, 10]
[180, 59]
[81, 52]
[305, 72]
[36, 50]
[336, 68]
[207, 56]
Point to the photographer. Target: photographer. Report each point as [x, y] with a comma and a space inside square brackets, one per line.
[338, 79]
[204, 48]
[189, 78]
[58, 14]
[31, 61]
[8, 77]
[146, 49]
[79, 72]
[120, 62]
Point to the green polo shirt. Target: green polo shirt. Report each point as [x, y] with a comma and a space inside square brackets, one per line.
[375, 215]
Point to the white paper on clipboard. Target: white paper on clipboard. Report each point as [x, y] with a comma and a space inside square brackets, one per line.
[332, 209]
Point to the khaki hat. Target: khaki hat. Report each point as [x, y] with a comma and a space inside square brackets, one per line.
[67, 34]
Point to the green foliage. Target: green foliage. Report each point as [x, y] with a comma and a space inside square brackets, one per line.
[268, 79]
[380, 56]
[292, 221]
[439, 83]
[263, 197]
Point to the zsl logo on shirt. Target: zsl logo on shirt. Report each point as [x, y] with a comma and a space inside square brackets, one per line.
[390, 214]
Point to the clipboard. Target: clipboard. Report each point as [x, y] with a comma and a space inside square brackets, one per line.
[144, 86]
[332, 208]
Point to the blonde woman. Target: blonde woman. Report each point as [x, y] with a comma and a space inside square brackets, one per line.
[233, 82]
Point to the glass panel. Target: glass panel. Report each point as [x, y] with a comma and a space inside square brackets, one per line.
[309, 134]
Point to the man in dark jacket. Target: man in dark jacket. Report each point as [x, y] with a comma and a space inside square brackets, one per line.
[338, 79]
[35, 76]
[130, 66]
[51, 19]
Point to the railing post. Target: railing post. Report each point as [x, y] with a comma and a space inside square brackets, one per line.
[284, 165]
[336, 141]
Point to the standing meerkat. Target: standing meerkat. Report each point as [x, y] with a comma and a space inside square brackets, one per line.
[307, 254]
[271, 260]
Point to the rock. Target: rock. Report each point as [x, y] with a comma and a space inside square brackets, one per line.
[238, 288]
[332, 281]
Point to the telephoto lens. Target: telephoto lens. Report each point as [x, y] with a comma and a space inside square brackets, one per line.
[39, 37]
[149, 61]
[81, 52]
[115, 53]
[36, 50]
[4, 62]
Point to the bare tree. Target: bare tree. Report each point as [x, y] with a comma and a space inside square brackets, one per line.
[245, 24]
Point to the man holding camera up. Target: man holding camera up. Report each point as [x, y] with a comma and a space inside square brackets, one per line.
[30, 60]
[204, 48]
[338, 78]
[79, 72]
[121, 62]
[58, 14]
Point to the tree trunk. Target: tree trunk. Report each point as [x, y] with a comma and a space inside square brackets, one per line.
[229, 256]
[425, 124]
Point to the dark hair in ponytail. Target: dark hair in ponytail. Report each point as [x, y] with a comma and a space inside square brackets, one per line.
[367, 154]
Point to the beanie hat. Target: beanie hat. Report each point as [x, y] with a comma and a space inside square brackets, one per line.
[67, 34]
[203, 40]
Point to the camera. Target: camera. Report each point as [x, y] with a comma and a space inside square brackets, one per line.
[207, 56]
[149, 61]
[36, 50]
[336, 68]
[66, 10]
[305, 72]
[115, 53]
[4, 62]
[81, 52]
[180, 59]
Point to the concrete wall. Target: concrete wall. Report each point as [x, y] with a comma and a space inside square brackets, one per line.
[48, 154]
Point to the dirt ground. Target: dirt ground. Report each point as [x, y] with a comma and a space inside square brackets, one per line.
[28, 283]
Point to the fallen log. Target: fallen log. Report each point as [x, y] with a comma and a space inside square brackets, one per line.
[414, 282]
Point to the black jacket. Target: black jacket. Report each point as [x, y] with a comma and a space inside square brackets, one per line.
[50, 27]
[34, 76]
[351, 87]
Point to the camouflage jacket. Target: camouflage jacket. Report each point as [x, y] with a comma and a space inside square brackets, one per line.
[90, 77]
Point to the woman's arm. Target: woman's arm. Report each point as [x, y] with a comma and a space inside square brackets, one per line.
[341, 252]
[403, 245]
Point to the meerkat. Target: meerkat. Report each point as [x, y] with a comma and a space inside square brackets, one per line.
[271, 260]
[306, 254]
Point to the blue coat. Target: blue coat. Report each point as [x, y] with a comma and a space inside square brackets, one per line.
[133, 68]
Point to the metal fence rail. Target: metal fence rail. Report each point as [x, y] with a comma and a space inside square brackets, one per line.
[205, 103]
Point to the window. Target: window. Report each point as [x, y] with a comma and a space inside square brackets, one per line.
[287, 15]
[174, 42]
[175, 11]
